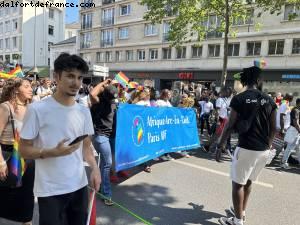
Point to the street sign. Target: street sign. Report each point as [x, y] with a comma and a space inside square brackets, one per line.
[103, 69]
[100, 74]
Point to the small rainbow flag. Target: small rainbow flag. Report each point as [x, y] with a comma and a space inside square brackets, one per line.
[17, 163]
[260, 63]
[133, 84]
[122, 79]
[16, 72]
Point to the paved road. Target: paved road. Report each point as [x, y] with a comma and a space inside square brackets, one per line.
[197, 190]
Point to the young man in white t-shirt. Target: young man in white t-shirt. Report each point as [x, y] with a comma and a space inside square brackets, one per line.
[283, 119]
[49, 127]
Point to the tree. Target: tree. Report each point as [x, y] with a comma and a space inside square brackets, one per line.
[195, 20]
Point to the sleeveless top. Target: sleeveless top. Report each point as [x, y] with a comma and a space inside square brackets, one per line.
[7, 136]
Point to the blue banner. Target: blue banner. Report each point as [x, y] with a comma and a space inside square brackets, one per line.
[145, 133]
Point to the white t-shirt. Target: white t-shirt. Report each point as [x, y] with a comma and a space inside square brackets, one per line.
[284, 109]
[223, 104]
[163, 103]
[47, 123]
[206, 107]
[41, 90]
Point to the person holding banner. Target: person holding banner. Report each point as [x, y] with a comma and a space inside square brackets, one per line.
[164, 101]
[56, 133]
[104, 105]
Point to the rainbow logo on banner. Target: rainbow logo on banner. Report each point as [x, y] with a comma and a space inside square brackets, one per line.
[260, 63]
[138, 131]
[17, 72]
[122, 79]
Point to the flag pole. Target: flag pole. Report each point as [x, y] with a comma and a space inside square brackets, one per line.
[92, 199]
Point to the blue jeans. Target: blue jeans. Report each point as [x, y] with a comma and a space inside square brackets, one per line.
[103, 147]
[289, 148]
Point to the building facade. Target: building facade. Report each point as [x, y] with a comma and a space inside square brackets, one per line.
[25, 29]
[114, 33]
[71, 30]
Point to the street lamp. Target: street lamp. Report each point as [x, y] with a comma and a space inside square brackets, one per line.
[35, 71]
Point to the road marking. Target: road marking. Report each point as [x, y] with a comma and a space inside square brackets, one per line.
[218, 172]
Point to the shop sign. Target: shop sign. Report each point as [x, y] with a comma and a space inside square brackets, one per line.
[186, 75]
[291, 76]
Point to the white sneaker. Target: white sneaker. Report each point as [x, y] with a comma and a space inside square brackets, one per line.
[228, 221]
[231, 211]
[285, 166]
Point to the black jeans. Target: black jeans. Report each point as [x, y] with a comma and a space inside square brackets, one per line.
[66, 209]
[205, 118]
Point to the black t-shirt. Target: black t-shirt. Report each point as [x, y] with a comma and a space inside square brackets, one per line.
[104, 118]
[257, 137]
[295, 114]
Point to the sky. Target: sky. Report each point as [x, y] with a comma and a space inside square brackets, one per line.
[72, 13]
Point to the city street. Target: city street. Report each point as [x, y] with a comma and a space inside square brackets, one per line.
[197, 190]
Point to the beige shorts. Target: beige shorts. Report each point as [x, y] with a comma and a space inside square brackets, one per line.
[247, 164]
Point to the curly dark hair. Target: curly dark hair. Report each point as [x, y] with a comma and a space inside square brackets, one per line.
[250, 76]
[9, 91]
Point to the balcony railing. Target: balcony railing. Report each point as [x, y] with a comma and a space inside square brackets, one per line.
[108, 21]
[214, 34]
[106, 43]
[166, 37]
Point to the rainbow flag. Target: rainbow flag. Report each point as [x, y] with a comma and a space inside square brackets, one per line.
[17, 163]
[16, 72]
[122, 79]
[133, 84]
[260, 63]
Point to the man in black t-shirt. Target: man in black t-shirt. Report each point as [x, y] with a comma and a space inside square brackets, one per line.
[292, 136]
[256, 112]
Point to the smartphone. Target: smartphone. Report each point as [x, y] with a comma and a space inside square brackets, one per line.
[78, 139]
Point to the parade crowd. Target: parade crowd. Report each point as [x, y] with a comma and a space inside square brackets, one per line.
[41, 119]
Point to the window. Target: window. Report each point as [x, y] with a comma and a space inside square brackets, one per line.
[253, 48]
[86, 40]
[108, 56]
[291, 11]
[51, 13]
[100, 57]
[108, 17]
[15, 9]
[49, 45]
[196, 51]
[234, 49]
[150, 30]
[7, 43]
[181, 53]
[123, 32]
[118, 56]
[86, 22]
[70, 34]
[15, 24]
[6, 11]
[51, 30]
[107, 38]
[244, 20]
[1, 28]
[153, 54]
[296, 46]
[166, 29]
[276, 47]
[141, 55]
[1, 43]
[214, 50]
[7, 26]
[129, 55]
[14, 40]
[167, 53]
[1, 12]
[125, 10]
[7, 58]
[212, 25]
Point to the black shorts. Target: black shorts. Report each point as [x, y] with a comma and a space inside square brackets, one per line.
[66, 209]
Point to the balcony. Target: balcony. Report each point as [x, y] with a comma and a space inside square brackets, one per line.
[165, 37]
[107, 22]
[105, 2]
[107, 43]
[214, 34]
